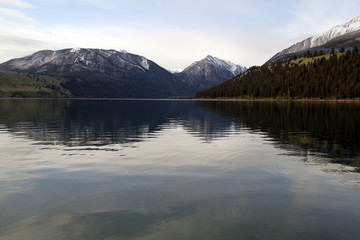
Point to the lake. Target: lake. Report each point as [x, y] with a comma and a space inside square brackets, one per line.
[179, 169]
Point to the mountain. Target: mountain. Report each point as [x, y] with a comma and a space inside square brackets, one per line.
[342, 36]
[102, 73]
[209, 72]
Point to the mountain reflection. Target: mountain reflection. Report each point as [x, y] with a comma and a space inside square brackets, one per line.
[330, 129]
[104, 122]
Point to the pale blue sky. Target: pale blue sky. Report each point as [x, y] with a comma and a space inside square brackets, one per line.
[172, 33]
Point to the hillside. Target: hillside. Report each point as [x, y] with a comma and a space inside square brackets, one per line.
[328, 76]
[14, 84]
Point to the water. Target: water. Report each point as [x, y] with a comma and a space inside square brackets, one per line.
[134, 169]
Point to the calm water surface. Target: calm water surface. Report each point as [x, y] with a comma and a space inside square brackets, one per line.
[133, 169]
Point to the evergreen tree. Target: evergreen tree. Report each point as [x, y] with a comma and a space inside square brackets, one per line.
[332, 51]
[308, 54]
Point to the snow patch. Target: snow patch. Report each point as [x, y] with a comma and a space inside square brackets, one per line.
[233, 69]
[144, 63]
[75, 50]
[176, 70]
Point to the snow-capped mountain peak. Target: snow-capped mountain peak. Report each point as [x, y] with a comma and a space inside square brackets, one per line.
[346, 30]
[339, 30]
[209, 72]
[223, 64]
[93, 60]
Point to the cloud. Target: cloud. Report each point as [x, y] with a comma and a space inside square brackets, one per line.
[17, 30]
[18, 42]
[17, 3]
[5, 13]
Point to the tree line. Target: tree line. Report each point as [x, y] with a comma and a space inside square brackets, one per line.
[336, 75]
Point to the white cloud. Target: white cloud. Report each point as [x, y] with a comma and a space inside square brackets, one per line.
[19, 33]
[5, 13]
[17, 3]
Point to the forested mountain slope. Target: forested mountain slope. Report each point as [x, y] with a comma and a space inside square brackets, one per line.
[14, 84]
[327, 76]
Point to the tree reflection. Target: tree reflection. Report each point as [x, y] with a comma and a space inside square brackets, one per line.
[327, 127]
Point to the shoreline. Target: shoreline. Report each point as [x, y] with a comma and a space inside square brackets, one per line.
[278, 100]
[201, 99]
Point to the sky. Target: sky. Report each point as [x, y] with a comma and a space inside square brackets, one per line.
[173, 34]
